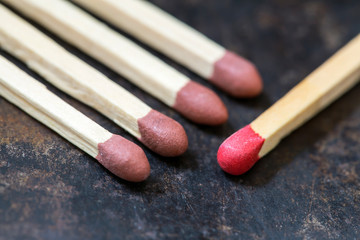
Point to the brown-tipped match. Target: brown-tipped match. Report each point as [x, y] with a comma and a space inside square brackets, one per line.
[237, 76]
[162, 134]
[200, 105]
[124, 159]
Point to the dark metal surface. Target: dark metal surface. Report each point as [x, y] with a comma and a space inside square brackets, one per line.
[308, 187]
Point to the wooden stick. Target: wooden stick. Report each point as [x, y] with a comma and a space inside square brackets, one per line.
[160, 133]
[162, 31]
[120, 156]
[194, 101]
[332, 79]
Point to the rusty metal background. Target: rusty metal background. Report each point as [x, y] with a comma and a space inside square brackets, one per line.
[307, 188]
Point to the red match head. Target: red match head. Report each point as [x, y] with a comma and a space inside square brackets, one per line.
[237, 76]
[239, 152]
[123, 158]
[200, 104]
[162, 134]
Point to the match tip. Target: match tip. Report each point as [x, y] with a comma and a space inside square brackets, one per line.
[200, 105]
[162, 134]
[239, 152]
[237, 76]
[124, 159]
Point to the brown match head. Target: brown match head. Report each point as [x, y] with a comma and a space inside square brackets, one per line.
[237, 76]
[123, 158]
[162, 134]
[201, 105]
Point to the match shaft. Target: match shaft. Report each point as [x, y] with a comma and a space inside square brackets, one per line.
[33, 98]
[323, 86]
[228, 71]
[69, 73]
[99, 41]
[162, 31]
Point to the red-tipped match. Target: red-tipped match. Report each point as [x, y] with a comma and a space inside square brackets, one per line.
[162, 134]
[237, 76]
[200, 105]
[124, 159]
[239, 152]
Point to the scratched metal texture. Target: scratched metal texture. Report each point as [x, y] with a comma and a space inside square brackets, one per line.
[307, 188]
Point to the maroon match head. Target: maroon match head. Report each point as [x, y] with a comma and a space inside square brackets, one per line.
[162, 134]
[200, 104]
[124, 159]
[237, 76]
[239, 152]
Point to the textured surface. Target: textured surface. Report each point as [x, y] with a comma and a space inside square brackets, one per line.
[308, 187]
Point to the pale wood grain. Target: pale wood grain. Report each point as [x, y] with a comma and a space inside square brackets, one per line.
[160, 30]
[323, 86]
[33, 98]
[106, 45]
[69, 73]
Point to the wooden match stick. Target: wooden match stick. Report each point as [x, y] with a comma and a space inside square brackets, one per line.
[161, 134]
[242, 150]
[198, 103]
[230, 72]
[120, 156]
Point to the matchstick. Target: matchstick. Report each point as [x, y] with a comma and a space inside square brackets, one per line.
[242, 150]
[230, 72]
[120, 156]
[160, 133]
[197, 103]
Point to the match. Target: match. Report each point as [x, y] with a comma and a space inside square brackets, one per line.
[120, 156]
[337, 75]
[194, 101]
[160, 133]
[228, 71]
